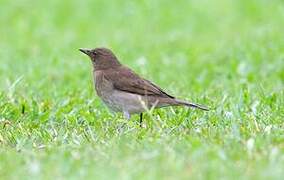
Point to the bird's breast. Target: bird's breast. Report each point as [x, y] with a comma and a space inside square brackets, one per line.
[103, 86]
[105, 91]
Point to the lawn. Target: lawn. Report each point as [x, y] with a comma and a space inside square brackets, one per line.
[228, 55]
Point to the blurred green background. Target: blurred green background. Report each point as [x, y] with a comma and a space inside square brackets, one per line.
[227, 54]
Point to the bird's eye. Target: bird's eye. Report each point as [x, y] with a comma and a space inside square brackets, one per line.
[95, 53]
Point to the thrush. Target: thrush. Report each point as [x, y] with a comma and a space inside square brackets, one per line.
[122, 90]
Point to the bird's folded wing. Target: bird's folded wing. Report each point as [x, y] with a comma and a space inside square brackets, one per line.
[126, 80]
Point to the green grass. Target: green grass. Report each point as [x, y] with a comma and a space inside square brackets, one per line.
[228, 55]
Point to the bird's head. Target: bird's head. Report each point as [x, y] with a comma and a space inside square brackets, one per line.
[102, 58]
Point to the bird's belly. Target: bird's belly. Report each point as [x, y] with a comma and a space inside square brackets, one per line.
[120, 101]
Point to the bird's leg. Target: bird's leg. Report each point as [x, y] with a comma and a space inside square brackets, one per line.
[126, 115]
[141, 119]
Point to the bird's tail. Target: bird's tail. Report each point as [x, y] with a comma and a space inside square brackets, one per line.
[189, 104]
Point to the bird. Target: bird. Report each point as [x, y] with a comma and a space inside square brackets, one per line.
[122, 90]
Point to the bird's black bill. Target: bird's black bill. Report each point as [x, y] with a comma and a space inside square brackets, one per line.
[85, 51]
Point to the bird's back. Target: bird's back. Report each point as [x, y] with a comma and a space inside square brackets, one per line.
[124, 79]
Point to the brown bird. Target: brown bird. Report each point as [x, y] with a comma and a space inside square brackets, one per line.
[122, 90]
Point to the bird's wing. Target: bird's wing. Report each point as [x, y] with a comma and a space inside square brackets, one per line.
[125, 79]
